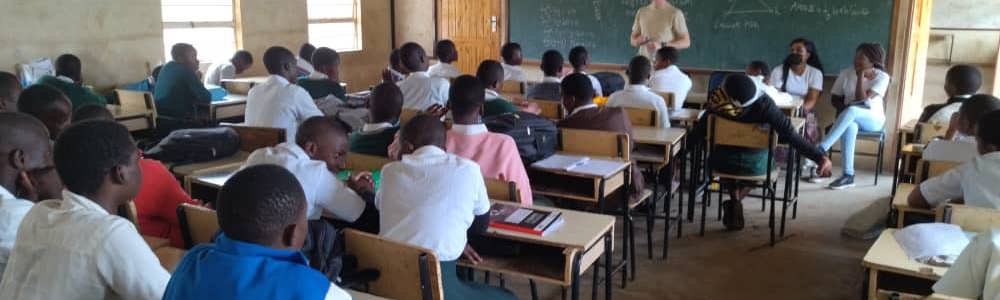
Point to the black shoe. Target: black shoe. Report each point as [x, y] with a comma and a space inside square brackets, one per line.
[732, 215]
[844, 182]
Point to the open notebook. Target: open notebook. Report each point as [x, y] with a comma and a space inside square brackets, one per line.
[579, 164]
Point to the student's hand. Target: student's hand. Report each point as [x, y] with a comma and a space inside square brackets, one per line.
[651, 47]
[387, 76]
[825, 168]
[361, 182]
[436, 110]
[394, 147]
[471, 255]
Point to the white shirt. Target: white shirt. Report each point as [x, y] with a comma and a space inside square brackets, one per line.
[420, 91]
[429, 199]
[276, 103]
[12, 210]
[943, 115]
[639, 96]
[371, 127]
[491, 95]
[219, 71]
[848, 80]
[798, 85]
[336, 293]
[976, 272]
[304, 66]
[596, 83]
[581, 108]
[974, 181]
[74, 249]
[672, 80]
[396, 75]
[511, 72]
[551, 79]
[325, 194]
[443, 70]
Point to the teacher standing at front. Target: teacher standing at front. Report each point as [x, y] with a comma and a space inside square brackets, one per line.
[659, 25]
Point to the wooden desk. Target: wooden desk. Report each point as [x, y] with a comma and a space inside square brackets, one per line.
[886, 256]
[909, 127]
[356, 295]
[792, 109]
[582, 240]
[901, 206]
[241, 86]
[592, 188]
[233, 106]
[665, 140]
[686, 116]
[205, 184]
[182, 171]
[169, 257]
[133, 118]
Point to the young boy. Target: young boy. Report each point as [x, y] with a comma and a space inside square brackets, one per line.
[434, 200]
[447, 55]
[490, 75]
[420, 90]
[579, 58]
[240, 62]
[10, 89]
[974, 181]
[552, 67]
[178, 90]
[384, 108]
[394, 71]
[495, 153]
[278, 103]
[961, 82]
[303, 63]
[637, 93]
[325, 80]
[80, 242]
[47, 104]
[974, 274]
[69, 81]
[262, 216]
[512, 59]
[668, 78]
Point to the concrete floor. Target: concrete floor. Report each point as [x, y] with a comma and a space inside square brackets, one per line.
[814, 262]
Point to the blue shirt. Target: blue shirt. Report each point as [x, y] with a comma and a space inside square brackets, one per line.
[178, 92]
[230, 269]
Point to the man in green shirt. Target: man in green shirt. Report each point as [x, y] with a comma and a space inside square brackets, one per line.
[384, 108]
[68, 80]
[325, 80]
[179, 91]
[490, 73]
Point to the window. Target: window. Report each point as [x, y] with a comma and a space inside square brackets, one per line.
[206, 24]
[335, 24]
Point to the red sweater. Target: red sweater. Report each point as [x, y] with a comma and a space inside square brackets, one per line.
[157, 202]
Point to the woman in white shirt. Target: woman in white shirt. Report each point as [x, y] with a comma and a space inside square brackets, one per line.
[859, 96]
[801, 76]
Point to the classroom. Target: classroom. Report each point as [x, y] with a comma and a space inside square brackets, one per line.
[500, 149]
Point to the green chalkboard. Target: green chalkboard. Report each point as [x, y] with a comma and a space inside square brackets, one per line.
[726, 34]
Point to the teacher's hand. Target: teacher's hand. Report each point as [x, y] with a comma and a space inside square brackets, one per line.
[651, 47]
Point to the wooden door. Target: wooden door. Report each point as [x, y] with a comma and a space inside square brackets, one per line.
[476, 27]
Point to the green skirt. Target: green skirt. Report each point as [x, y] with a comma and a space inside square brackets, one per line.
[739, 161]
[455, 288]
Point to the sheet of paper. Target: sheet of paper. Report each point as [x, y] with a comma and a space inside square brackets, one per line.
[560, 162]
[937, 243]
[598, 167]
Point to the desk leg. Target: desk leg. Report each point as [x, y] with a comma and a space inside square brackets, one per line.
[575, 285]
[897, 166]
[696, 169]
[608, 256]
[666, 206]
[630, 226]
[797, 179]
[872, 284]
[651, 211]
[680, 196]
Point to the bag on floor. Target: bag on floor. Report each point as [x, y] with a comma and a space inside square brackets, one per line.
[187, 146]
[535, 136]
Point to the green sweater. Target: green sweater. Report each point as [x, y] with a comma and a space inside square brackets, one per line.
[497, 106]
[77, 94]
[179, 92]
[319, 88]
[373, 143]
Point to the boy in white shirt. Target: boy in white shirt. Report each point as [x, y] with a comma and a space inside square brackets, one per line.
[512, 59]
[303, 63]
[241, 61]
[959, 144]
[447, 55]
[579, 58]
[277, 103]
[668, 78]
[976, 272]
[638, 95]
[974, 182]
[420, 90]
[550, 87]
[960, 83]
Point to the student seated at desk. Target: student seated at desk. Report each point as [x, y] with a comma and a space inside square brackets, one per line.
[960, 83]
[512, 59]
[69, 81]
[759, 70]
[179, 92]
[974, 181]
[325, 80]
[420, 90]
[78, 247]
[47, 104]
[976, 272]
[27, 174]
[10, 89]
[447, 55]
[434, 199]
[549, 88]
[579, 58]
[262, 215]
[638, 95]
[490, 75]
[495, 153]
[740, 99]
[277, 103]
[146, 85]
[668, 78]
[582, 113]
[384, 107]
[394, 71]
[963, 124]
[240, 62]
[303, 63]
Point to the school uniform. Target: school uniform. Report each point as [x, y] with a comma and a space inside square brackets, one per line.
[976, 272]
[233, 269]
[512, 72]
[397, 76]
[12, 211]
[614, 119]
[373, 139]
[320, 86]
[304, 66]
[444, 70]
[74, 249]
[672, 80]
[157, 202]
[974, 181]
[495, 153]
[798, 86]
[549, 89]
[941, 113]
[596, 83]
[178, 92]
[219, 71]
[276, 103]
[420, 91]
[78, 95]
[640, 96]
[496, 104]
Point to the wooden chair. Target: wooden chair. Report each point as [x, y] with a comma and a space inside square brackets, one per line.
[669, 98]
[364, 162]
[512, 87]
[926, 132]
[198, 224]
[407, 272]
[551, 110]
[253, 138]
[502, 190]
[406, 114]
[642, 116]
[136, 101]
[975, 219]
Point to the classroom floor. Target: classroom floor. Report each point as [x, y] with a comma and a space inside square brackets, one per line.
[814, 262]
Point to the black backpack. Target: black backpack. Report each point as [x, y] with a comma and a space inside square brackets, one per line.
[535, 136]
[611, 82]
[186, 146]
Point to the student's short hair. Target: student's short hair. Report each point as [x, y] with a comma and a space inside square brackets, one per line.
[761, 65]
[92, 112]
[243, 56]
[578, 56]
[38, 98]
[987, 126]
[669, 53]
[423, 130]
[739, 87]
[312, 128]
[259, 202]
[466, 95]
[87, 151]
[977, 106]
[8, 84]
[874, 53]
[70, 66]
[18, 130]
[275, 59]
[179, 49]
[394, 59]
[412, 56]
[639, 69]
[552, 62]
[965, 78]
[489, 72]
[386, 103]
[325, 57]
[579, 87]
[444, 48]
[306, 51]
[507, 51]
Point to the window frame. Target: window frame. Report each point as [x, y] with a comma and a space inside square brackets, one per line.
[356, 20]
[234, 24]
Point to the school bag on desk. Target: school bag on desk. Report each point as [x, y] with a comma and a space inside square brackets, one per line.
[535, 136]
[187, 146]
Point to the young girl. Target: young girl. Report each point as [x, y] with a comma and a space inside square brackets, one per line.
[801, 75]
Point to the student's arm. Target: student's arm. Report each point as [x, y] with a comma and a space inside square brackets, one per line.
[783, 126]
[481, 205]
[967, 277]
[815, 88]
[917, 199]
[198, 90]
[936, 191]
[306, 105]
[229, 72]
[637, 38]
[128, 265]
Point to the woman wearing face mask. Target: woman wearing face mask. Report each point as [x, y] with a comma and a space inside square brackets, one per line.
[801, 75]
[858, 95]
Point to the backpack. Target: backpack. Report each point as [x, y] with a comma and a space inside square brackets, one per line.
[611, 82]
[535, 136]
[186, 146]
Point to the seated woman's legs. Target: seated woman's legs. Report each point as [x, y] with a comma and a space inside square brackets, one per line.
[845, 129]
